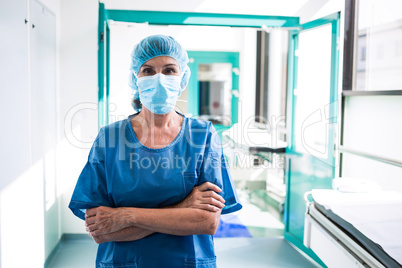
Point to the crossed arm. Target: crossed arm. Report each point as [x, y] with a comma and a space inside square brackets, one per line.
[198, 213]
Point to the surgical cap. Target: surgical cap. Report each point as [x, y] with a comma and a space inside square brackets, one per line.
[151, 47]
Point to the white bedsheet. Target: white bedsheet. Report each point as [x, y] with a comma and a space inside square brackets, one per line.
[378, 215]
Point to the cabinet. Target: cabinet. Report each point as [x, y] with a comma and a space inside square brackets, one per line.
[14, 93]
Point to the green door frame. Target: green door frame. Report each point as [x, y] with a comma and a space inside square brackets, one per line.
[207, 57]
[103, 67]
[201, 19]
[167, 18]
[334, 20]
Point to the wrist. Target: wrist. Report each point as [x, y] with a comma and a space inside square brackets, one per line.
[173, 206]
[128, 217]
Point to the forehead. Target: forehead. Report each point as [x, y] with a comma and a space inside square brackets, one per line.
[161, 61]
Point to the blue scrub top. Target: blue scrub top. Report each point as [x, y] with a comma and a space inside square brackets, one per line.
[121, 172]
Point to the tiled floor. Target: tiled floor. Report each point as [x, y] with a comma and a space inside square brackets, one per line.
[259, 252]
[78, 251]
[236, 252]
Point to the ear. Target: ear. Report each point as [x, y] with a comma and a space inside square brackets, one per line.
[135, 101]
[186, 78]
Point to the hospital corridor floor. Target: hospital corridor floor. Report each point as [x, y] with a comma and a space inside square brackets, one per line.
[232, 252]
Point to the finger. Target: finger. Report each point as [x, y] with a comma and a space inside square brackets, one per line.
[214, 195]
[90, 212]
[92, 234]
[213, 208]
[218, 197]
[95, 233]
[213, 202]
[207, 207]
[98, 239]
[91, 228]
[90, 220]
[209, 186]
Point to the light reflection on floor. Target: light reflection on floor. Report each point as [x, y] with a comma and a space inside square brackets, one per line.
[255, 219]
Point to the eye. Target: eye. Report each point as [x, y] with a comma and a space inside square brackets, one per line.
[170, 71]
[147, 71]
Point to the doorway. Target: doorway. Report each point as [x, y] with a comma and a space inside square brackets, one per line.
[213, 87]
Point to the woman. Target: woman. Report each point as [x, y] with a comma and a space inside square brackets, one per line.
[156, 183]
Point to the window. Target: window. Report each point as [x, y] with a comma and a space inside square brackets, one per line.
[379, 30]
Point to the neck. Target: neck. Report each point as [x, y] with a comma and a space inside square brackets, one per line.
[157, 120]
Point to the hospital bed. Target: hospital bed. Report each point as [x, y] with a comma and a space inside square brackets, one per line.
[354, 229]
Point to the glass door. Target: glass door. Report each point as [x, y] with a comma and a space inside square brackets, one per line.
[312, 107]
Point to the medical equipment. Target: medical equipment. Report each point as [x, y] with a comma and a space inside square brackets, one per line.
[354, 229]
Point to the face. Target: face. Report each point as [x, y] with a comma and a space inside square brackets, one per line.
[162, 64]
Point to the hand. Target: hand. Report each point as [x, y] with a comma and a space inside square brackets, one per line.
[201, 198]
[104, 220]
[100, 239]
[127, 234]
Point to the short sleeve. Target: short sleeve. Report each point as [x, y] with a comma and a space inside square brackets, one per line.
[214, 169]
[91, 188]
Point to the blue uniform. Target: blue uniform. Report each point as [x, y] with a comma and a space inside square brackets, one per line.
[121, 172]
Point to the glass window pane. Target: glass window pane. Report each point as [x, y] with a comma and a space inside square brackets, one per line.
[379, 45]
[312, 94]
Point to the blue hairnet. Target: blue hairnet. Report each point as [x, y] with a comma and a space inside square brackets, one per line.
[151, 47]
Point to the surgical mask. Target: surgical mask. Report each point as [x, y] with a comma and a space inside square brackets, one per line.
[159, 92]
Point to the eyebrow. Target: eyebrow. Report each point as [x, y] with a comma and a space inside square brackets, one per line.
[146, 66]
[171, 64]
[166, 65]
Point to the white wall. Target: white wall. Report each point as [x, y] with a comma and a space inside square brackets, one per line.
[277, 85]
[248, 64]
[78, 100]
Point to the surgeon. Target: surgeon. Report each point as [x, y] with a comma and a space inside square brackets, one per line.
[156, 183]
